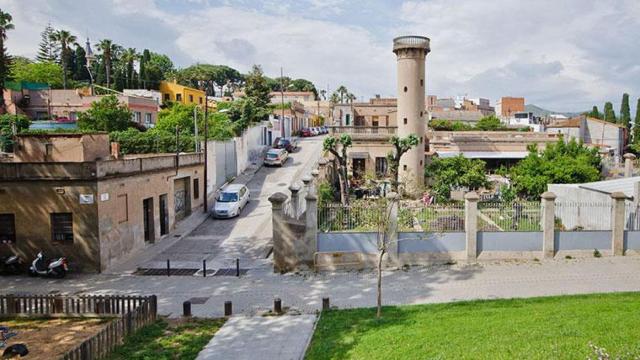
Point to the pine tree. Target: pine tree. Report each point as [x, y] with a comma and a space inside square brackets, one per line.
[609, 113]
[636, 124]
[625, 112]
[48, 50]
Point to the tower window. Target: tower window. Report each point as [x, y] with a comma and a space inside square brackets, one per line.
[404, 167]
[420, 113]
[405, 121]
[420, 162]
[421, 82]
[405, 89]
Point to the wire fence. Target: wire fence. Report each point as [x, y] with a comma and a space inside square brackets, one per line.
[582, 215]
[434, 218]
[362, 216]
[509, 216]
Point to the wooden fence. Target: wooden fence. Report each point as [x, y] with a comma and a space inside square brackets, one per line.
[130, 312]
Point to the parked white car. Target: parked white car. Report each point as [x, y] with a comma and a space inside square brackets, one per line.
[276, 157]
[231, 200]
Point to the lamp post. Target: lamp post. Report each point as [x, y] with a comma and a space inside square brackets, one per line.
[206, 135]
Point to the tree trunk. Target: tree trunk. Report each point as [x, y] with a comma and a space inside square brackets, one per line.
[345, 183]
[379, 289]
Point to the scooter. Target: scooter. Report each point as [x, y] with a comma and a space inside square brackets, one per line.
[11, 265]
[56, 268]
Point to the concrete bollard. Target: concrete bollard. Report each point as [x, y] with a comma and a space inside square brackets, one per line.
[204, 268]
[227, 308]
[238, 267]
[168, 268]
[325, 304]
[186, 309]
[277, 306]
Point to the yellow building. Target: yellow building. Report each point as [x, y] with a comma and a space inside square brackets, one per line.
[172, 91]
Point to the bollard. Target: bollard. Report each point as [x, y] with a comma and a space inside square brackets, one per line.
[277, 306]
[227, 308]
[325, 304]
[168, 268]
[204, 268]
[186, 309]
[238, 267]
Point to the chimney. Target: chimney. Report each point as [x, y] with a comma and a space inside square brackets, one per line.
[115, 150]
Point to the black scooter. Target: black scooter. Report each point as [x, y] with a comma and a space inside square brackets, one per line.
[54, 268]
[11, 265]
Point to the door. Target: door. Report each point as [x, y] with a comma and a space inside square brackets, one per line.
[164, 215]
[179, 199]
[358, 168]
[149, 228]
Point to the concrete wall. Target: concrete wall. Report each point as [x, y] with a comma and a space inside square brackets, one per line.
[595, 217]
[62, 148]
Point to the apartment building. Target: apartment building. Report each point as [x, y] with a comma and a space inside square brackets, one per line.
[173, 92]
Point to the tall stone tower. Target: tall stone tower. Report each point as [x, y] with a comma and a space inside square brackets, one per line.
[411, 116]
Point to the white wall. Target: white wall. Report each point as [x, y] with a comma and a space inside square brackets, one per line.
[249, 147]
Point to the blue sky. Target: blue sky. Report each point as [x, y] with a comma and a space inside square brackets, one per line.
[563, 55]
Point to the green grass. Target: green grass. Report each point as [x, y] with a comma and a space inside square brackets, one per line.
[164, 340]
[538, 328]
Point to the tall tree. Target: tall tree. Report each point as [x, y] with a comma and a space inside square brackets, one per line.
[105, 46]
[342, 93]
[5, 60]
[48, 50]
[64, 39]
[400, 146]
[129, 57]
[636, 124]
[595, 113]
[625, 112]
[256, 87]
[144, 74]
[81, 73]
[338, 148]
[609, 113]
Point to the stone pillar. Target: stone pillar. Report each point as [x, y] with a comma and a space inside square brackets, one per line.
[295, 200]
[306, 181]
[322, 167]
[311, 229]
[617, 223]
[392, 229]
[471, 224]
[281, 245]
[548, 224]
[628, 164]
[314, 183]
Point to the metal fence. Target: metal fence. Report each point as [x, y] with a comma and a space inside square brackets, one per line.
[631, 217]
[509, 216]
[432, 218]
[578, 216]
[362, 216]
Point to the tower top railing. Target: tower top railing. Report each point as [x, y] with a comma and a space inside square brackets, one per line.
[411, 41]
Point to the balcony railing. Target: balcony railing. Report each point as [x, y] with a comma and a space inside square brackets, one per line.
[363, 130]
[411, 41]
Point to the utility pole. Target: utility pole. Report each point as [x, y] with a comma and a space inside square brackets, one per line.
[206, 152]
[195, 128]
[282, 134]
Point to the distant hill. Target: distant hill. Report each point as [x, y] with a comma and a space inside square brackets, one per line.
[538, 111]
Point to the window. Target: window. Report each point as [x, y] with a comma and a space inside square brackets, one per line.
[62, 227]
[190, 98]
[147, 118]
[405, 121]
[421, 82]
[7, 228]
[347, 118]
[381, 166]
[123, 208]
[404, 167]
[167, 97]
[200, 99]
[196, 188]
[137, 117]
[405, 89]
[178, 97]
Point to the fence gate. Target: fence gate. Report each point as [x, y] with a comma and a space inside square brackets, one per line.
[226, 161]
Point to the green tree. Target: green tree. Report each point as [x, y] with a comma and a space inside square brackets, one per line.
[106, 46]
[244, 112]
[559, 163]
[178, 114]
[106, 114]
[490, 123]
[303, 85]
[144, 75]
[129, 56]
[256, 87]
[625, 112]
[447, 174]
[609, 113]
[595, 113]
[64, 38]
[400, 146]
[338, 146]
[81, 73]
[11, 125]
[48, 50]
[342, 92]
[636, 124]
[40, 72]
[5, 59]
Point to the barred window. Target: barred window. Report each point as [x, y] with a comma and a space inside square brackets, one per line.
[62, 227]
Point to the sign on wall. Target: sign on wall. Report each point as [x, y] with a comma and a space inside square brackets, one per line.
[86, 199]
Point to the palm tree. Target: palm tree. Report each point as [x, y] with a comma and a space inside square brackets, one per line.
[342, 91]
[129, 56]
[105, 46]
[333, 100]
[5, 25]
[64, 38]
[350, 98]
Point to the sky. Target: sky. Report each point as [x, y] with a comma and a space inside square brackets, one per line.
[563, 55]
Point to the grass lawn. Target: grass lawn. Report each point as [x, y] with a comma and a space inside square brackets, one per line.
[169, 339]
[539, 328]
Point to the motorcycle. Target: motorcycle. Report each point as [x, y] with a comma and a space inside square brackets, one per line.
[55, 268]
[11, 265]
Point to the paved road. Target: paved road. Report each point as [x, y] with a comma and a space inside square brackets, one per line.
[248, 237]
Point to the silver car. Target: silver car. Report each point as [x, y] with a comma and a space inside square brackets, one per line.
[231, 200]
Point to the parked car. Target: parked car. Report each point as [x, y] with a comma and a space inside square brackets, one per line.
[289, 144]
[315, 131]
[326, 129]
[306, 132]
[231, 200]
[276, 157]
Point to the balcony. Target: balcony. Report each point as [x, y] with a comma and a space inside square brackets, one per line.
[411, 42]
[365, 132]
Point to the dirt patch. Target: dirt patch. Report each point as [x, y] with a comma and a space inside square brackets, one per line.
[51, 338]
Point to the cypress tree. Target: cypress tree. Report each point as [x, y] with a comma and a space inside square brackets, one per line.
[636, 124]
[48, 50]
[609, 113]
[625, 112]
[144, 74]
[81, 73]
[595, 113]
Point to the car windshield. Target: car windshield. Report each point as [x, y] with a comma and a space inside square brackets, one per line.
[228, 197]
[271, 155]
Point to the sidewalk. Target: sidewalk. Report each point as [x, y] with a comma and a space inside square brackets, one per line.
[258, 337]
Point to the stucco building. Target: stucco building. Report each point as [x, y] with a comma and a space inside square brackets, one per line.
[507, 106]
[173, 92]
[608, 137]
[66, 195]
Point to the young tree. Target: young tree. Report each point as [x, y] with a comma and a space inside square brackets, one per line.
[5, 60]
[106, 114]
[636, 124]
[401, 146]
[256, 87]
[64, 38]
[625, 112]
[385, 227]
[609, 113]
[48, 50]
[338, 147]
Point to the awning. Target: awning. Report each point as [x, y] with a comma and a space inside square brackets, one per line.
[358, 155]
[485, 154]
